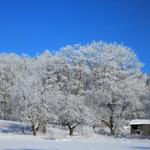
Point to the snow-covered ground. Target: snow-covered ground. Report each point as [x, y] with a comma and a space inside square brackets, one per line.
[13, 141]
[27, 142]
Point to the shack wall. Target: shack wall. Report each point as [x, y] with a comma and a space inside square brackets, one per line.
[145, 129]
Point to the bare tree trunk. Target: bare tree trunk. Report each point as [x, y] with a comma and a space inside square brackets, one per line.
[112, 130]
[34, 129]
[109, 124]
[71, 130]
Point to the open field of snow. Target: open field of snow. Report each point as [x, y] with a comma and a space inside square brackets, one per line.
[26, 142]
[12, 138]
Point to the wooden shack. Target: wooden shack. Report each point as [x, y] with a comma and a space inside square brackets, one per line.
[140, 126]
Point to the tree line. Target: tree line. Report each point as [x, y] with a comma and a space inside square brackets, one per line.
[93, 84]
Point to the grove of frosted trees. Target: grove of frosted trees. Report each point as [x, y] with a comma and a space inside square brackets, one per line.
[99, 83]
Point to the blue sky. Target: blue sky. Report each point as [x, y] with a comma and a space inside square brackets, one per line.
[31, 26]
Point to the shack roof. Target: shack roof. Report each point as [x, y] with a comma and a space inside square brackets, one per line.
[139, 121]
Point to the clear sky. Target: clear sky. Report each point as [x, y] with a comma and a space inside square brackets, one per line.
[31, 26]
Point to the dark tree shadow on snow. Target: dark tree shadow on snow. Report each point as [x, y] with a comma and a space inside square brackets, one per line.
[26, 149]
[140, 148]
[17, 128]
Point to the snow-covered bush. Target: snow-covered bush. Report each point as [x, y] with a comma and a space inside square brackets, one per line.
[86, 131]
[56, 133]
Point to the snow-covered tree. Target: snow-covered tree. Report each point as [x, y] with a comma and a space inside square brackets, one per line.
[72, 112]
[36, 99]
[9, 68]
[76, 86]
[110, 69]
[145, 99]
[71, 109]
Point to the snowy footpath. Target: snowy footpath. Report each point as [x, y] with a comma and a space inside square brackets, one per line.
[28, 142]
